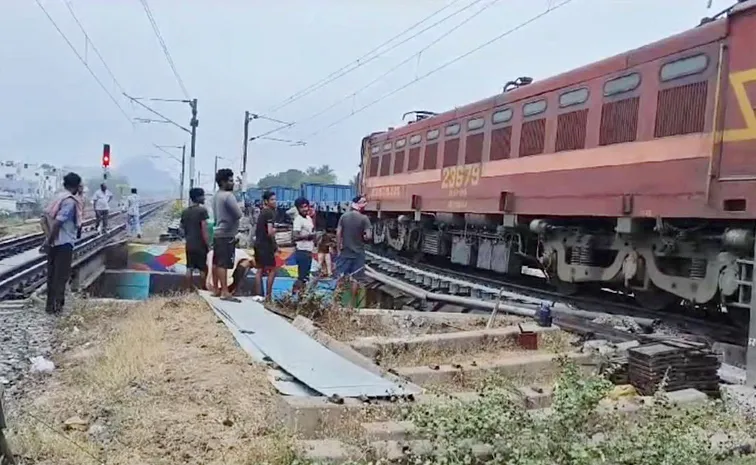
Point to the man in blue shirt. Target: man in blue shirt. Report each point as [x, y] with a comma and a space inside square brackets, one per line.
[60, 242]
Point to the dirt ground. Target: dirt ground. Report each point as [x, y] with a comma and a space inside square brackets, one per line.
[160, 382]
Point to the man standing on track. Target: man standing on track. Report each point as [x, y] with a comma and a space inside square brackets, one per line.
[227, 215]
[353, 230]
[101, 203]
[265, 245]
[194, 223]
[303, 233]
[61, 223]
[133, 226]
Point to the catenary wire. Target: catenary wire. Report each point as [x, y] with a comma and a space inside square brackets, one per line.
[164, 46]
[397, 66]
[365, 59]
[69, 5]
[84, 62]
[441, 67]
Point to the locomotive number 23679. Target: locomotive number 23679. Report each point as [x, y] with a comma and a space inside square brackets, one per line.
[456, 177]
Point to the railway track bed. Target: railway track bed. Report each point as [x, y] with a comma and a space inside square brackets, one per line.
[607, 314]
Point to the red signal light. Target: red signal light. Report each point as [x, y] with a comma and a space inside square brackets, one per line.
[106, 155]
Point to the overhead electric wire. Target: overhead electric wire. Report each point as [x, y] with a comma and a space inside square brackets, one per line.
[94, 47]
[441, 67]
[164, 46]
[397, 66]
[365, 59]
[83, 61]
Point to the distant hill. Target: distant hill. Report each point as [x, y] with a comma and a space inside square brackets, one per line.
[140, 172]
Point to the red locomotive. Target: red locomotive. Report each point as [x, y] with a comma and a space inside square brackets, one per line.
[637, 172]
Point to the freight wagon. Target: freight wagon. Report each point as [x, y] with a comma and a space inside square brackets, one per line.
[329, 200]
[635, 173]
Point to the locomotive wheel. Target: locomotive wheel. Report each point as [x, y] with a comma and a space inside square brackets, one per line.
[654, 298]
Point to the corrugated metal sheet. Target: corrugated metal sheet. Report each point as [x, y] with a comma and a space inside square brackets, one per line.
[283, 382]
[301, 356]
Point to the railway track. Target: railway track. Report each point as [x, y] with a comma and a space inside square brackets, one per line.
[20, 281]
[580, 313]
[19, 244]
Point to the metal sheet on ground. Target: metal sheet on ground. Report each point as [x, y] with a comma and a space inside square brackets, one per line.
[301, 356]
[280, 380]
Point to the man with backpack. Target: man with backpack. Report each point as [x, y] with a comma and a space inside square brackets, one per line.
[60, 223]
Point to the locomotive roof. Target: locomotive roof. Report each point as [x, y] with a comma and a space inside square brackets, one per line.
[700, 35]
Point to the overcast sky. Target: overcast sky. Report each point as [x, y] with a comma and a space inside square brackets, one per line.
[237, 55]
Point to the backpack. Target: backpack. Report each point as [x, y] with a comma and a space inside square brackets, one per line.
[47, 219]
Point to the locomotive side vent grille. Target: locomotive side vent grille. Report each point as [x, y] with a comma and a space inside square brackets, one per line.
[385, 164]
[474, 148]
[681, 110]
[414, 159]
[431, 153]
[501, 143]
[571, 130]
[619, 121]
[373, 168]
[451, 152]
[533, 137]
[399, 162]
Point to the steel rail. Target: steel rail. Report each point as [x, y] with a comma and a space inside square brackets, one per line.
[22, 280]
[19, 244]
[460, 285]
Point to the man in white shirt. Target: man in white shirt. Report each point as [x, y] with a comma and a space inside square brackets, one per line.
[101, 203]
[133, 226]
[303, 233]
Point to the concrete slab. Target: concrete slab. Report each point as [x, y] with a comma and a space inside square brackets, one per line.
[455, 341]
[309, 416]
[529, 368]
[344, 350]
[327, 451]
[741, 399]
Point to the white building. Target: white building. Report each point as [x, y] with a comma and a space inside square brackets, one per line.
[44, 179]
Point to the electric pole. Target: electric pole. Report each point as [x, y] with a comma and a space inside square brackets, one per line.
[244, 155]
[192, 151]
[193, 123]
[183, 173]
[215, 170]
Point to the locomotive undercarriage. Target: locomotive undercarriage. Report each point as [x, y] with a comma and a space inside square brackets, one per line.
[659, 262]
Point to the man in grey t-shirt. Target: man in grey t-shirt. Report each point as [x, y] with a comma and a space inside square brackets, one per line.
[227, 215]
[353, 230]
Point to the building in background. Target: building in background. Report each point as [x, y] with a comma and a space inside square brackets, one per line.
[25, 186]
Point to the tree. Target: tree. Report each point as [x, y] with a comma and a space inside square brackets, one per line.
[294, 178]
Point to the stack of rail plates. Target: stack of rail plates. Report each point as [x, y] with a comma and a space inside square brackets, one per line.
[683, 364]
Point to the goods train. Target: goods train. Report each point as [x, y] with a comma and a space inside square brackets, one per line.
[329, 200]
[636, 173]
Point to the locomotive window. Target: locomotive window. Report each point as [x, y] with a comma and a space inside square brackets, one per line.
[376, 149]
[475, 123]
[415, 139]
[433, 134]
[502, 116]
[400, 143]
[534, 108]
[622, 84]
[452, 129]
[684, 67]
[573, 97]
[387, 146]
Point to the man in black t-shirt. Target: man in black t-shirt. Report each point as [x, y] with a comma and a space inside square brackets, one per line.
[194, 223]
[265, 245]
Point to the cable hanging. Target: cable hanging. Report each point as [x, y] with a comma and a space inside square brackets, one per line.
[164, 46]
[365, 59]
[84, 62]
[441, 67]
